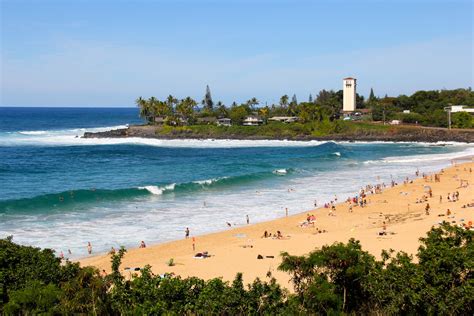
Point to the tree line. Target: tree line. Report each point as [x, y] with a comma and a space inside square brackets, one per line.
[426, 108]
[336, 279]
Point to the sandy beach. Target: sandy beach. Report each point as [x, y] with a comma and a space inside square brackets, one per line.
[235, 249]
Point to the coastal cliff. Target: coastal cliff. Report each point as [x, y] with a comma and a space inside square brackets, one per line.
[381, 133]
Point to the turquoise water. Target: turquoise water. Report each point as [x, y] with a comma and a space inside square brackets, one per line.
[61, 191]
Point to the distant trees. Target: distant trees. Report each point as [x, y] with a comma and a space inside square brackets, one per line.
[463, 120]
[336, 279]
[174, 110]
[238, 113]
[207, 101]
[252, 103]
[372, 97]
[425, 107]
[284, 101]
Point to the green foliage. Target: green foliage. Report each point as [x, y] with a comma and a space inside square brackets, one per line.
[35, 297]
[207, 101]
[411, 118]
[463, 120]
[238, 113]
[336, 279]
[20, 265]
[427, 107]
[325, 276]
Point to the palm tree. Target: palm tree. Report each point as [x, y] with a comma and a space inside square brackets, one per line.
[171, 101]
[284, 100]
[144, 108]
[185, 108]
[253, 102]
[163, 109]
[153, 108]
[221, 109]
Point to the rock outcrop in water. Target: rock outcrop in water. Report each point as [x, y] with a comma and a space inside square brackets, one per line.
[395, 133]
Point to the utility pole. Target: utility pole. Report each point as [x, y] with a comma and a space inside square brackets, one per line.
[383, 114]
[448, 109]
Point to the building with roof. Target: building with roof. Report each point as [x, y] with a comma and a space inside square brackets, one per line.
[252, 120]
[461, 108]
[349, 94]
[284, 119]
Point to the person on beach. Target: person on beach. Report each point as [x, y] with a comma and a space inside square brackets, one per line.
[142, 244]
[265, 234]
[279, 235]
[427, 209]
[112, 251]
[286, 211]
[61, 255]
[248, 219]
[194, 244]
[229, 224]
[440, 199]
[89, 247]
[186, 233]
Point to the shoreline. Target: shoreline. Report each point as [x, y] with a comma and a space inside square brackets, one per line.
[235, 250]
[393, 133]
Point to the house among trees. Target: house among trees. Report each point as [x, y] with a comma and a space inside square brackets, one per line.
[461, 108]
[207, 120]
[284, 119]
[160, 120]
[224, 122]
[252, 120]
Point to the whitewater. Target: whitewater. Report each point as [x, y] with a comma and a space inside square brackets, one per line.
[59, 190]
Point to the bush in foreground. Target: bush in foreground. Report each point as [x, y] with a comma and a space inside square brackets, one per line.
[337, 279]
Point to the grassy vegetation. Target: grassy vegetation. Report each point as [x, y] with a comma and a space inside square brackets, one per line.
[274, 130]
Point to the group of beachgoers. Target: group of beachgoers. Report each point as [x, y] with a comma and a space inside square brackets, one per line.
[277, 235]
[453, 197]
[360, 199]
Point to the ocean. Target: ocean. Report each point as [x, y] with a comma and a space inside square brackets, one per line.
[60, 191]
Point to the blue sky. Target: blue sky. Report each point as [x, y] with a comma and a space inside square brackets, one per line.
[107, 53]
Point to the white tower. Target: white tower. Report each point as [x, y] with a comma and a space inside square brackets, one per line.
[349, 89]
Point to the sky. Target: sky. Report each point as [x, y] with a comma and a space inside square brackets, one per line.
[102, 53]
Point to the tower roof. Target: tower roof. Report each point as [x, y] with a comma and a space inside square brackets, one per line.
[349, 78]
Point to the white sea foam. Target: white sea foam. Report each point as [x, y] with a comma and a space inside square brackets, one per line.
[153, 189]
[32, 132]
[432, 157]
[74, 138]
[209, 181]
[280, 171]
[337, 154]
[159, 220]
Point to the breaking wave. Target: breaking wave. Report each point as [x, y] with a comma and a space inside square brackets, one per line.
[74, 198]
